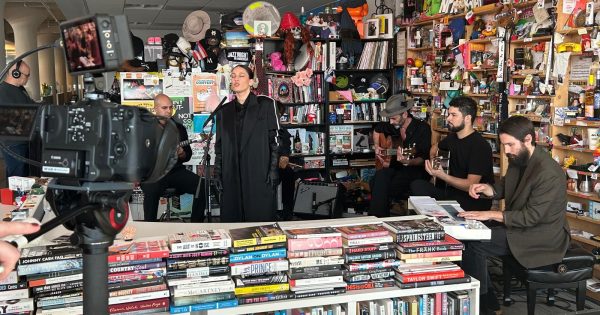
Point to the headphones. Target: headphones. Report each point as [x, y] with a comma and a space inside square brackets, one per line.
[17, 73]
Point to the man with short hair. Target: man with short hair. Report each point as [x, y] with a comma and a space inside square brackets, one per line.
[470, 159]
[534, 227]
[394, 179]
[12, 92]
[179, 177]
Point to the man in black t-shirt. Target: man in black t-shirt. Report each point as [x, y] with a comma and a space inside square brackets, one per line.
[12, 92]
[393, 180]
[470, 160]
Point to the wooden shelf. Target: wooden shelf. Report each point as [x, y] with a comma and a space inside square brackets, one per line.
[582, 218]
[522, 97]
[421, 93]
[420, 49]
[588, 196]
[581, 123]
[568, 148]
[481, 69]
[481, 41]
[585, 240]
[476, 95]
[488, 135]
[532, 40]
[574, 30]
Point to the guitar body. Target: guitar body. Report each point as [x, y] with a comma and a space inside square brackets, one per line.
[389, 144]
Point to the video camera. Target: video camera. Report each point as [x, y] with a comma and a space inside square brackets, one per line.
[94, 140]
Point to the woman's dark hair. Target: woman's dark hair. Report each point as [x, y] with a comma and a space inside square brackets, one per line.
[466, 106]
[518, 127]
[248, 70]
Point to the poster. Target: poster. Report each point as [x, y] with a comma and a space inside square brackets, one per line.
[140, 88]
[183, 112]
[204, 92]
[174, 86]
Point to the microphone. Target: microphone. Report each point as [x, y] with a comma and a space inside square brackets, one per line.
[212, 115]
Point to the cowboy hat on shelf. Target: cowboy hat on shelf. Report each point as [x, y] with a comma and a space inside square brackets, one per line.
[195, 26]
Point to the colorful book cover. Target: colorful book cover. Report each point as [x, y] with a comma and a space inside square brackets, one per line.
[264, 234]
[325, 231]
[414, 226]
[138, 250]
[140, 88]
[199, 240]
[363, 231]
[183, 113]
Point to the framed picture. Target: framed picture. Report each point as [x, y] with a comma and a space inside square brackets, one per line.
[262, 28]
[371, 28]
[401, 48]
[386, 25]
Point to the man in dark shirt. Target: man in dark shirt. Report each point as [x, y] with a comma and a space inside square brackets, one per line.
[394, 179]
[179, 177]
[470, 160]
[12, 91]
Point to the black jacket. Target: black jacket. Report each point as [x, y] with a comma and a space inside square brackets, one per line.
[249, 177]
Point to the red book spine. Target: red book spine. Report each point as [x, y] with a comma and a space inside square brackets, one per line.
[138, 306]
[314, 243]
[432, 276]
[126, 276]
[138, 256]
[147, 289]
[447, 253]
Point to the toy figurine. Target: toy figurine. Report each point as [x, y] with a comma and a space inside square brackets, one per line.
[478, 27]
[490, 29]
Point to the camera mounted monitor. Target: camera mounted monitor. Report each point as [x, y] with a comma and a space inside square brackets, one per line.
[17, 122]
[96, 43]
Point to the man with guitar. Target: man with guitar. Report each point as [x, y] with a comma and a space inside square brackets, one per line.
[179, 177]
[401, 146]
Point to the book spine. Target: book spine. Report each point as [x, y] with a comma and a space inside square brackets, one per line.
[370, 285]
[359, 235]
[203, 306]
[316, 253]
[58, 292]
[41, 282]
[199, 245]
[188, 281]
[138, 256]
[265, 298]
[313, 281]
[196, 299]
[319, 293]
[316, 274]
[299, 244]
[315, 261]
[369, 276]
[432, 259]
[50, 258]
[138, 306]
[204, 253]
[136, 267]
[173, 265]
[260, 280]
[64, 286]
[260, 255]
[58, 265]
[430, 248]
[314, 269]
[368, 241]
[387, 254]
[62, 311]
[16, 306]
[138, 297]
[259, 289]
[259, 241]
[63, 305]
[50, 302]
[433, 276]
[134, 262]
[136, 275]
[258, 248]
[198, 272]
[217, 287]
[366, 249]
[257, 268]
[420, 236]
[13, 286]
[430, 254]
[372, 265]
[134, 284]
[138, 290]
[14, 294]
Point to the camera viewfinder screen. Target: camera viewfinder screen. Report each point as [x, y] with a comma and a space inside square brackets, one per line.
[17, 121]
[82, 46]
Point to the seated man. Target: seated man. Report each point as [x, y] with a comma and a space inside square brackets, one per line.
[394, 179]
[179, 177]
[535, 230]
[470, 160]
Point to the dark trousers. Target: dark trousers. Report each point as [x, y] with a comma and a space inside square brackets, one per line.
[13, 166]
[184, 182]
[474, 257]
[389, 183]
[425, 188]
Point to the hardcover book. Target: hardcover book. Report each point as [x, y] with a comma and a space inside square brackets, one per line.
[325, 231]
[414, 226]
[138, 250]
[363, 231]
[257, 235]
[199, 240]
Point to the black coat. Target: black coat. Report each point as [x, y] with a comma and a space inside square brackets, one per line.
[247, 176]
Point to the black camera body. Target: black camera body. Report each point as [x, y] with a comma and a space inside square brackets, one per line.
[99, 141]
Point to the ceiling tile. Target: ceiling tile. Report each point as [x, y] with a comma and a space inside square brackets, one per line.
[141, 15]
[150, 2]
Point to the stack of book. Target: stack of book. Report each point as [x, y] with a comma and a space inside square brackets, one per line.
[198, 271]
[315, 256]
[369, 256]
[428, 263]
[258, 264]
[136, 273]
[55, 275]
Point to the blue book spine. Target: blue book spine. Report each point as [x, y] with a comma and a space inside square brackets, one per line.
[203, 306]
[259, 255]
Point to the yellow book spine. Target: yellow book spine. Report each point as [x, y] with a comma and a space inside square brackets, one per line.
[258, 289]
[259, 241]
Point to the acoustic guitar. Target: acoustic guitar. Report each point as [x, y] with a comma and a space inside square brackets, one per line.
[388, 145]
